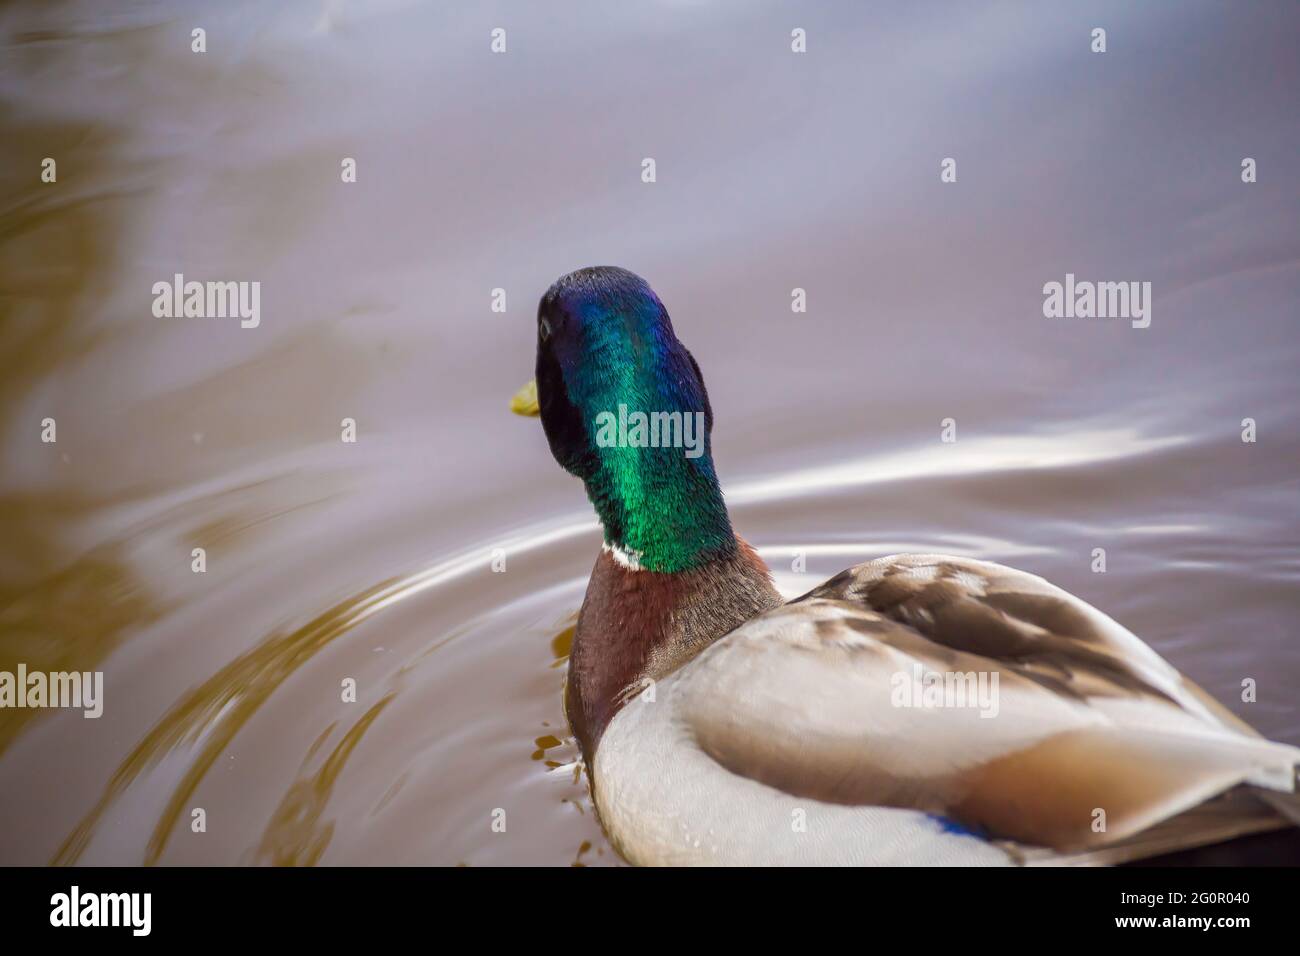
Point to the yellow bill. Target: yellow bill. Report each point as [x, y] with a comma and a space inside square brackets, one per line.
[525, 401]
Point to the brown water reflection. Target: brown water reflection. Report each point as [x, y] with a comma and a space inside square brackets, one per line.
[91, 604]
[373, 561]
[210, 716]
[295, 835]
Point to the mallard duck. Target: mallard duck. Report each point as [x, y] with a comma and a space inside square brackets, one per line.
[720, 724]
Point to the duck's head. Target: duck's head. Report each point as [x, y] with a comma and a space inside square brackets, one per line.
[625, 409]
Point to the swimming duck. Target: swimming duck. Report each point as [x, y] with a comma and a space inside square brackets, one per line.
[720, 724]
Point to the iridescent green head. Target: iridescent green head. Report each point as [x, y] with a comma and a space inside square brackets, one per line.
[625, 409]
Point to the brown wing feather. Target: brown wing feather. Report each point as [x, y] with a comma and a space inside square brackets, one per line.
[1021, 621]
[1089, 717]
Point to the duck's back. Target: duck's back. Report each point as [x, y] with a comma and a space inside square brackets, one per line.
[927, 709]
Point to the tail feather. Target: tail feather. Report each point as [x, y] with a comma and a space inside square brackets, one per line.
[1287, 804]
[1243, 812]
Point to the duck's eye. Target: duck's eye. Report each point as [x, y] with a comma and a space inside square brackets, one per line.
[544, 329]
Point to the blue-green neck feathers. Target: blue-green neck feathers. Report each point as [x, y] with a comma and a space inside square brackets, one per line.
[625, 409]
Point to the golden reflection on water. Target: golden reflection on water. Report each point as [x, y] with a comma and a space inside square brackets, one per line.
[59, 610]
[545, 743]
[295, 834]
[69, 620]
[562, 644]
[569, 756]
[207, 719]
[212, 714]
[567, 746]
